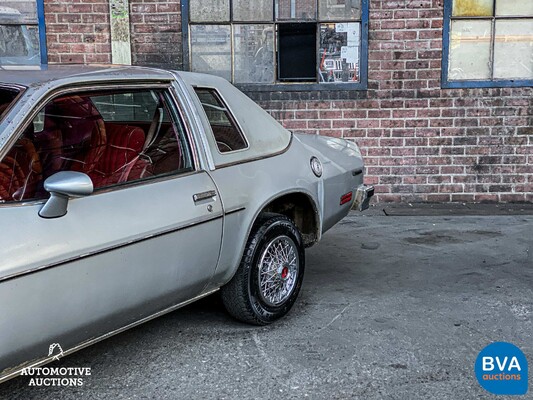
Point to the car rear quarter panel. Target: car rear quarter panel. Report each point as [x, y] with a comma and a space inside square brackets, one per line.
[264, 135]
[246, 189]
[343, 172]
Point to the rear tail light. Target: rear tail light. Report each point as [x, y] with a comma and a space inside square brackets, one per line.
[346, 198]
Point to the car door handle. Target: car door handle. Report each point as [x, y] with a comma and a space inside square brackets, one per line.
[209, 195]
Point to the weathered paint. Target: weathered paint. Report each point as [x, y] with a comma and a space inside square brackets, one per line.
[120, 32]
[472, 8]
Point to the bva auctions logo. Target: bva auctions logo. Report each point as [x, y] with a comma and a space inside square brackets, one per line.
[501, 368]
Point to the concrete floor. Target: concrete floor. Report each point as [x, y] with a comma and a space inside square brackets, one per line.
[392, 307]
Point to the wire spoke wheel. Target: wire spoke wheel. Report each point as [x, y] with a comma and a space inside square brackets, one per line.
[278, 270]
[270, 275]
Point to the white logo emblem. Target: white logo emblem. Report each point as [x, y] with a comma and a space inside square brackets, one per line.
[59, 352]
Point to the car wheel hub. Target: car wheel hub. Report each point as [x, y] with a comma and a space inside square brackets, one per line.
[284, 272]
[278, 270]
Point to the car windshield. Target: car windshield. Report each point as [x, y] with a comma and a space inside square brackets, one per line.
[7, 97]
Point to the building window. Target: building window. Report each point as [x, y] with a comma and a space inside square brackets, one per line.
[488, 43]
[278, 42]
[22, 35]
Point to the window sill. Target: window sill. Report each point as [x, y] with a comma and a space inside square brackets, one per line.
[486, 84]
[300, 87]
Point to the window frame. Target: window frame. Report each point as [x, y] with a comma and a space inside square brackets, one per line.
[42, 32]
[446, 83]
[41, 26]
[287, 86]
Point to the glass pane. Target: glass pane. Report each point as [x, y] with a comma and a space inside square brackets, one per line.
[209, 10]
[513, 49]
[339, 9]
[227, 135]
[470, 50]
[296, 9]
[254, 53]
[257, 10]
[18, 11]
[211, 50]
[514, 7]
[339, 52]
[472, 8]
[129, 107]
[19, 44]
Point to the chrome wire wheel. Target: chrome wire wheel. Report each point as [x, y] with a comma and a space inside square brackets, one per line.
[278, 270]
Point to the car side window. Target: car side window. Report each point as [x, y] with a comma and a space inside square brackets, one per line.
[113, 137]
[227, 134]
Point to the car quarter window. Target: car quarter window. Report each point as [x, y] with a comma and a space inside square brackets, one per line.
[227, 134]
[115, 137]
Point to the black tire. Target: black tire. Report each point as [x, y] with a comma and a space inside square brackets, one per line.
[243, 296]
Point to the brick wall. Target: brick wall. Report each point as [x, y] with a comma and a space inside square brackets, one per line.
[156, 33]
[421, 143]
[77, 31]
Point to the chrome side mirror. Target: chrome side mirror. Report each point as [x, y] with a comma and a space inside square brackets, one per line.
[62, 186]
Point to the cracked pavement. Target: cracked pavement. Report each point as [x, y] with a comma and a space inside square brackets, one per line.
[392, 307]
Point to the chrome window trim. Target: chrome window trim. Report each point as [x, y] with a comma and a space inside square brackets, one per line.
[188, 129]
[181, 90]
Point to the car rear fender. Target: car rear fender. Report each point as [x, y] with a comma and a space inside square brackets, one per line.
[342, 174]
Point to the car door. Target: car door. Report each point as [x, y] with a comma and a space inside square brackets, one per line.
[147, 238]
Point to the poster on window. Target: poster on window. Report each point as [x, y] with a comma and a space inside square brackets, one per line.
[339, 52]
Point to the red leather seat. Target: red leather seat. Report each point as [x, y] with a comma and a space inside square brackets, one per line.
[74, 135]
[20, 172]
[120, 160]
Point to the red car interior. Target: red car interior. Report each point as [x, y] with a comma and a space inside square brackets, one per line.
[74, 137]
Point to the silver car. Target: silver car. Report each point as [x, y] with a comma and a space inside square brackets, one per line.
[129, 192]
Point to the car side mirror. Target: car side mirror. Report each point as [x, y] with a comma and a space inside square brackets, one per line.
[62, 186]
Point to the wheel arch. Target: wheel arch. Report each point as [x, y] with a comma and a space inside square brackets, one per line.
[301, 208]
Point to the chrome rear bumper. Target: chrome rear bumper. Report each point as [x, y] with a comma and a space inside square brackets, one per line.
[363, 194]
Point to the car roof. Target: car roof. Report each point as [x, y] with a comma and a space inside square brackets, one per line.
[58, 75]
[265, 136]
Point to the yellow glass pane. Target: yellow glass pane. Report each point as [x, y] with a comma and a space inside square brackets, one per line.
[472, 8]
[513, 49]
[470, 50]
